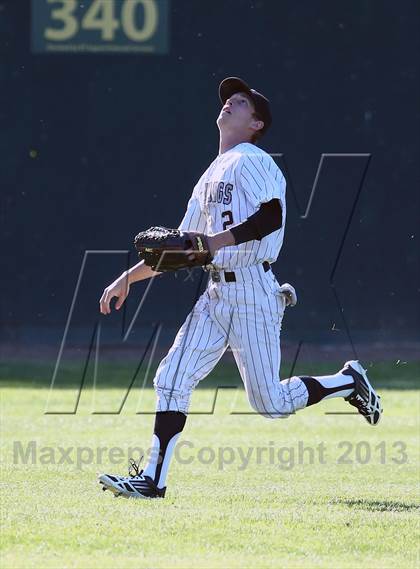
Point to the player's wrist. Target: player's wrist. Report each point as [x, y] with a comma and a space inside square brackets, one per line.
[131, 275]
[220, 240]
[139, 272]
[125, 277]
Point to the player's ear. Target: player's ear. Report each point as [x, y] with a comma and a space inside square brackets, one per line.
[257, 124]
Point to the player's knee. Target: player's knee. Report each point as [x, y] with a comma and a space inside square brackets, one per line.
[266, 410]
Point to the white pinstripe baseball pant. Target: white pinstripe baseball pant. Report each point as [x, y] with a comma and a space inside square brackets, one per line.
[247, 316]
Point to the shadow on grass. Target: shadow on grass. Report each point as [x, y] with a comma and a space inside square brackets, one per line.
[379, 505]
[121, 373]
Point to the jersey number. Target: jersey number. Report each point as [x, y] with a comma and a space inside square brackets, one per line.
[229, 220]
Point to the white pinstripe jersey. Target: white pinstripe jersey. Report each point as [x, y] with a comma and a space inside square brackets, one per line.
[232, 188]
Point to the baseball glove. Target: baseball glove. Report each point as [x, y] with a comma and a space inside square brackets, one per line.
[289, 293]
[165, 249]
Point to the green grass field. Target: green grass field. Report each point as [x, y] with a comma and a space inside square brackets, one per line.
[353, 504]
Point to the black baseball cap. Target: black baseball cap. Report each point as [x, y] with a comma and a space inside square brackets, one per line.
[232, 85]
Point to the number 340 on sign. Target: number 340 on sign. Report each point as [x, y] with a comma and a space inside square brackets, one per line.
[100, 22]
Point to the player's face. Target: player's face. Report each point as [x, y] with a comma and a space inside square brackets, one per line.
[237, 115]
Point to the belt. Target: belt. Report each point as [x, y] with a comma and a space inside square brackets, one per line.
[230, 277]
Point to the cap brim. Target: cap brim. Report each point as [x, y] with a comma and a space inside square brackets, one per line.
[232, 85]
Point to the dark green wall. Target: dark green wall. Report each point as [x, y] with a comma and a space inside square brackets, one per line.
[120, 141]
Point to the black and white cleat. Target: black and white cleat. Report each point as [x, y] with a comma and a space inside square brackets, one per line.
[364, 397]
[131, 487]
[135, 485]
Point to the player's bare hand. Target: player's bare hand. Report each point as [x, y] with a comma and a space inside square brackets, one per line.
[118, 289]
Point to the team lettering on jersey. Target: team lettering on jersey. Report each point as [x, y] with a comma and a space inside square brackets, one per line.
[230, 191]
[218, 192]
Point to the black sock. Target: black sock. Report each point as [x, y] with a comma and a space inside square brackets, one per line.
[317, 391]
[168, 424]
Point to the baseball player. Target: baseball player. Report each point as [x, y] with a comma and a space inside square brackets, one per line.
[239, 207]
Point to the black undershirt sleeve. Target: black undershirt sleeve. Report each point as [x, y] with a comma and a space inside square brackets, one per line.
[266, 220]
